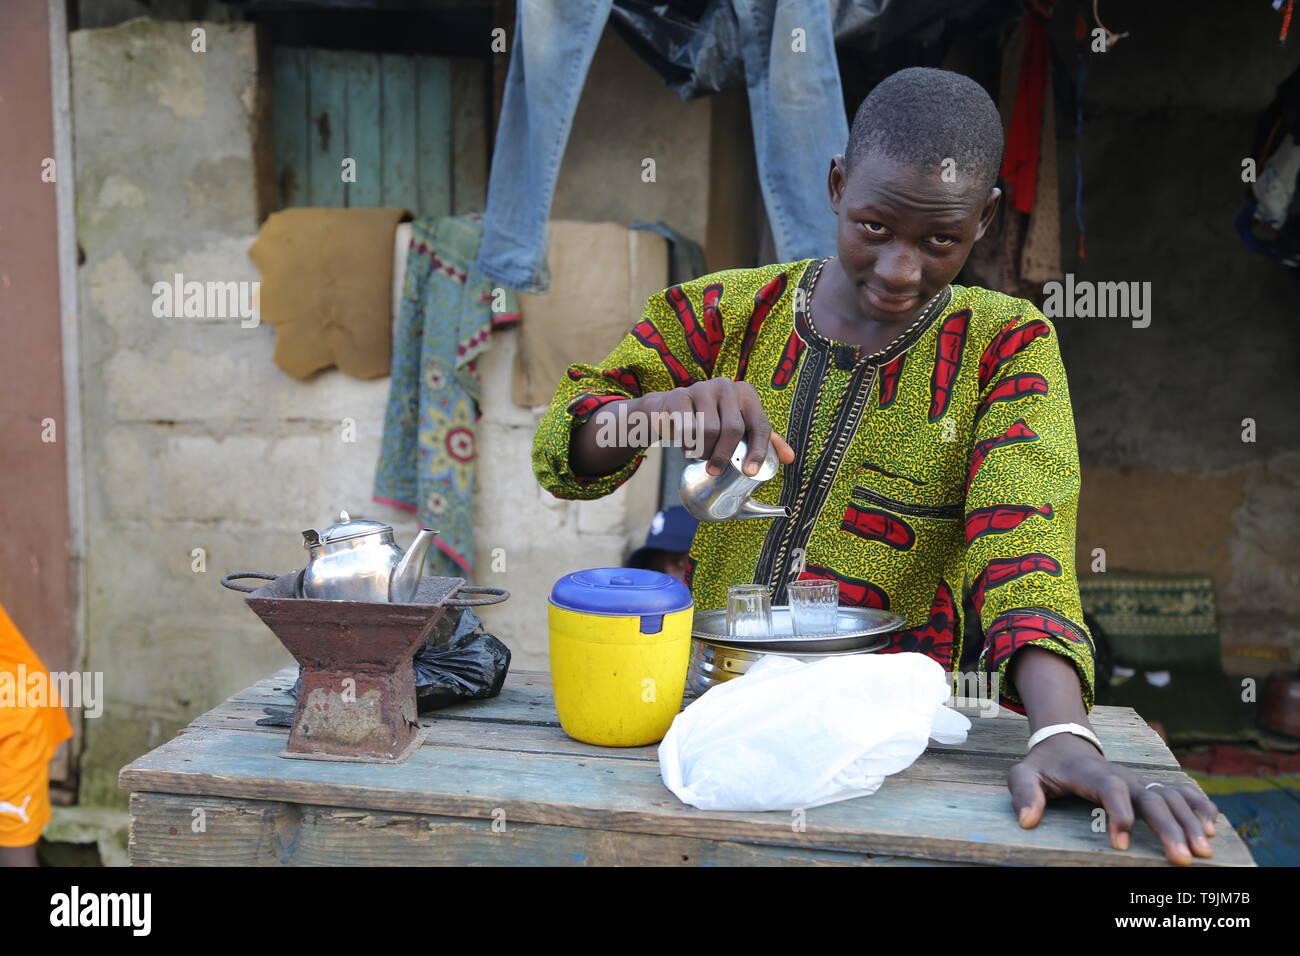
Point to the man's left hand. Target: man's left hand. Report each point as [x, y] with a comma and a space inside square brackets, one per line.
[1181, 816]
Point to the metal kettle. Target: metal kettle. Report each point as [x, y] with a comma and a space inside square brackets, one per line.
[726, 496]
[358, 560]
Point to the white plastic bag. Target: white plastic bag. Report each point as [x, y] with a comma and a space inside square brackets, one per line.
[789, 735]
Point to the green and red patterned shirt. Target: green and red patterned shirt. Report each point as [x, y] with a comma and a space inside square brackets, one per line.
[946, 461]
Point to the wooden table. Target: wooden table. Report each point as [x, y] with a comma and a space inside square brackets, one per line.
[498, 782]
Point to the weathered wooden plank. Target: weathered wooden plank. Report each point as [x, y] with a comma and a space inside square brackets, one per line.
[362, 141]
[535, 686]
[1126, 737]
[433, 135]
[327, 109]
[282, 679]
[268, 833]
[954, 765]
[398, 125]
[526, 699]
[966, 822]
[469, 162]
[289, 124]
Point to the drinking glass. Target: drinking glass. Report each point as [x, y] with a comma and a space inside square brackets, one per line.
[749, 610]
[814, 606]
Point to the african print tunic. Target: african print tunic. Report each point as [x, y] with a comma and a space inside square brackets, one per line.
[946, 461]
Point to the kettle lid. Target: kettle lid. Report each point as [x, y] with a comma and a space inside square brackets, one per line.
[349, 527]
[765, 471]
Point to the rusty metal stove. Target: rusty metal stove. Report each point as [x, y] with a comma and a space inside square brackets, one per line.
[356, 699]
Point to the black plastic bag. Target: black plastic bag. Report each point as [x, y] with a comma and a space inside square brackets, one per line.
[472, 667]
[457, 662]
[693, 44]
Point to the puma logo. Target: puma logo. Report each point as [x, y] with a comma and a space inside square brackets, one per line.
[19, 812]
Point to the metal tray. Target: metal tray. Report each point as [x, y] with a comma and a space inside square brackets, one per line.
[859, 627]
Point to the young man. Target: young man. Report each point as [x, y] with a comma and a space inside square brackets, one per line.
[928, 436]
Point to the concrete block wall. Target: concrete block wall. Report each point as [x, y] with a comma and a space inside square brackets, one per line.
[194, 439]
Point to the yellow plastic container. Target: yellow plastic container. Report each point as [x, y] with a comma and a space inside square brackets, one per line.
[620, 645]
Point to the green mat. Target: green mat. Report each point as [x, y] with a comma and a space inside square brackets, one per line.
[1155, 621]
[1166, 625]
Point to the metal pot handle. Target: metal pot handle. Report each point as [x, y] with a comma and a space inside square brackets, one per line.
[496, 596]
[228, 580]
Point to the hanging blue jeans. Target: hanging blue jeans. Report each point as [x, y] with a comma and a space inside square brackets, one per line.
[796, 108]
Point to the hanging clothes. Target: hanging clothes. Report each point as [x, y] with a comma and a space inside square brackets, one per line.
[1022, 250]
[427, 454]
[1269, 222]
[794, 97]
[1021, 156]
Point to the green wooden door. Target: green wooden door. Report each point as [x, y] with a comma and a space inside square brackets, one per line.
[413, 127]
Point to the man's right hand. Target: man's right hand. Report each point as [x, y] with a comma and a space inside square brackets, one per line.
[720, 411]
[724, 412]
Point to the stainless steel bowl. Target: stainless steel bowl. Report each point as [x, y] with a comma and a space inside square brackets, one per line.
[717, 657]
[717, 663]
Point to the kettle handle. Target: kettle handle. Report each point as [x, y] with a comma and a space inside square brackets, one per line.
[497, 595]
[228, 580]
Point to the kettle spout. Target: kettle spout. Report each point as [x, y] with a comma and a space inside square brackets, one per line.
[405, 578]
[756, 509]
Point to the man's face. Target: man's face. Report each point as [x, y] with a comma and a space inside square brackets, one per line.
[904, 233]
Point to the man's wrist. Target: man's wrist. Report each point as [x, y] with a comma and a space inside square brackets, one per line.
[591, 454]
[1073, 729]
[1048, 687]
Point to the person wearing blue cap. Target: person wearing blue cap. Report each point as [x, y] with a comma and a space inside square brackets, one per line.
[671, 532]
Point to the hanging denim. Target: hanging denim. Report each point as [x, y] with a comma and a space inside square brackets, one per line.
[796, 107]
[427, 456]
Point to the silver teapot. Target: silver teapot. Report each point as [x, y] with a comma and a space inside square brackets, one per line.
[727, 496]
[358, 560]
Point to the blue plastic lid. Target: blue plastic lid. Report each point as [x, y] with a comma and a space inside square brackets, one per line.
[622, 592]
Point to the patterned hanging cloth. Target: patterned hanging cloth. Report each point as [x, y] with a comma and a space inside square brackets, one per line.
[426, 459]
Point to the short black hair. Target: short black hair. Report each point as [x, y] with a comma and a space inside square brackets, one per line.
[922, 116]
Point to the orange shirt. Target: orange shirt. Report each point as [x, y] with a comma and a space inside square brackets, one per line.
[28, 734]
